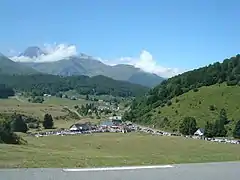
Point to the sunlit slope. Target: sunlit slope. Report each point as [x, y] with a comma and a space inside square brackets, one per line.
[200, 105]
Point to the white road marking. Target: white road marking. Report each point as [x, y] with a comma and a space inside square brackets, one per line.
[117, 168]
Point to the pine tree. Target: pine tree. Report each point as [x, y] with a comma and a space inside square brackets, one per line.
[209, 130]
[220, 130]
[18, 124]
[236, 131]
[223, 116]
[87, 97]
[48, 121]
[188, 126]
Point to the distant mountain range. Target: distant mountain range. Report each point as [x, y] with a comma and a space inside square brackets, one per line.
[33, 51]
[8, 66]
[81, 65]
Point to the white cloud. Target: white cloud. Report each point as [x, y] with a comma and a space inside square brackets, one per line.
[145, 61]
[53, 53]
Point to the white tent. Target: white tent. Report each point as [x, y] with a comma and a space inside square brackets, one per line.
[199, 132]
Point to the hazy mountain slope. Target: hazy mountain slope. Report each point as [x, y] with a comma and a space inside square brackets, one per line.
[146, 79]
[64, 67]
[8, 66]
[91, 67]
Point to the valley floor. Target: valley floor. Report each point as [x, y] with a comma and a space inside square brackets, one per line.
[113, 149]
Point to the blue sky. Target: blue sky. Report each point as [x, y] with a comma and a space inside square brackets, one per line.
[184, 34]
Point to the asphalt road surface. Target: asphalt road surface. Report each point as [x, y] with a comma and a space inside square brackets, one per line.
[201, 171]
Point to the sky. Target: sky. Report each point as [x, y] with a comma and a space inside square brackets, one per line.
[166, 37]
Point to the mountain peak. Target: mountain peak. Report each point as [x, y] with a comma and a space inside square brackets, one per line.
[85, 56]
[33, 51]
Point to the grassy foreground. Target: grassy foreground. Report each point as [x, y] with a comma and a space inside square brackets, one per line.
[113, 150]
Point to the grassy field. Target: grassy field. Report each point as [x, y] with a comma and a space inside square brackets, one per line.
[64, 102]
[197, 104]
[113, 150]
[54, 106]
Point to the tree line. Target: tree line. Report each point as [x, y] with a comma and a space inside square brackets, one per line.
[5, 91]
[11, 123]
[39, 84]
[188, 126]
[89, 109]
[228, 71]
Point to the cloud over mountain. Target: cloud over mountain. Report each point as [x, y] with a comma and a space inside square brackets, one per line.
[57, 52]
[52, 53]
[146, 62]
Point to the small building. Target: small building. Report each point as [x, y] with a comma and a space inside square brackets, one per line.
[47, 95]
[80, 127]
[111, 124]
[106, 124]
[116, 118]
[199, 132]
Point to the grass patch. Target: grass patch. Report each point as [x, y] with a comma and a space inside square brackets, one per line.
[204, 105]
[64, 101]
[52, 105]
[100, 150]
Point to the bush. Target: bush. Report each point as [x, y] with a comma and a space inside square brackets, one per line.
[33, 125]
[164, 122]
[232, 83]
[195, 90]
[38, 99]
[211, 107]
[6, 134]
[177, 100]
[169, 103]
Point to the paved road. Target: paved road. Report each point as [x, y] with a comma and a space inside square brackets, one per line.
[209, 171]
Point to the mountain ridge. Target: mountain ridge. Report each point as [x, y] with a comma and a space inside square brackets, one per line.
[7, 66]
[87, 65]
[32, 51]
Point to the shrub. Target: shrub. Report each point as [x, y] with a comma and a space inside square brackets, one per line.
[195, 90]
[169, 103]
[211, 107]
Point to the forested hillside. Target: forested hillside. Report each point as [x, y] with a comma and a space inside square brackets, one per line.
[5, 92]
[51, 84]
[164, 95]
